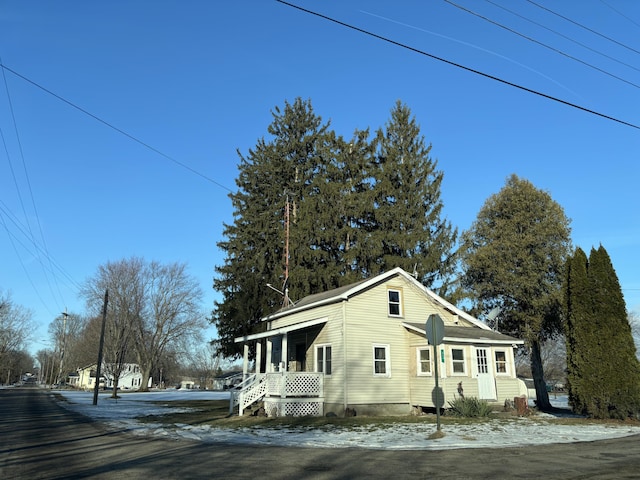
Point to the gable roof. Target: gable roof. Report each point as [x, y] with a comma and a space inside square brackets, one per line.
[342, 294]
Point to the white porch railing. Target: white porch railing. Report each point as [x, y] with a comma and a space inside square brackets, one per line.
[250, 390]
[284, 393]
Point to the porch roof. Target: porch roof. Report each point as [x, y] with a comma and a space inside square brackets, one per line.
[282, 330]
[468, 334]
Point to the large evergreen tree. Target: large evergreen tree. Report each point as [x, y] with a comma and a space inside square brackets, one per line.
[603, 370]
[273, 178]
[326, 248]
[407, 227]
[513, 258]
[328, 212]
[578, 328]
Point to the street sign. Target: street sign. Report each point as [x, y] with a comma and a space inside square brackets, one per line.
[434, 329]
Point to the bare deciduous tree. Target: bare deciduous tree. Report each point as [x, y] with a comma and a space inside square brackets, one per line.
[204, 362]
[554, 361]
[124, 281]
[65, 332]
[16, 325]
[151, 308]
[172, 314]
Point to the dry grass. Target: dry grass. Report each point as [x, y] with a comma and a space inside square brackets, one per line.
[216, 413]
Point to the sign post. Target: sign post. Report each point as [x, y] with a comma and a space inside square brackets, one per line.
[434, 331]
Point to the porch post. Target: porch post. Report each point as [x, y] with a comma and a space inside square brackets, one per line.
[284, 354]
[268, 368]
[245, 362]
[258, 356]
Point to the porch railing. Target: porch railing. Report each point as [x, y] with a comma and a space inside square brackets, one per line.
[302, 389]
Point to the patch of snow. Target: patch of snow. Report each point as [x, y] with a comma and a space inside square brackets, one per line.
[537, 430]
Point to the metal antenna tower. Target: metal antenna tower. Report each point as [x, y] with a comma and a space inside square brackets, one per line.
[285, 284]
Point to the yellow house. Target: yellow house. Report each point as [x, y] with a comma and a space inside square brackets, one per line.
[362, 349]
[85, 378]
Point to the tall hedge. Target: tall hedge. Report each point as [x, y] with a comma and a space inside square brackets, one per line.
[603, 372]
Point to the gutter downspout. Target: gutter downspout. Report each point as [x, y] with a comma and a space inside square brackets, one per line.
[344, 353]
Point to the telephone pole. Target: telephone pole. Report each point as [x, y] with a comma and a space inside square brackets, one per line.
[64, 341]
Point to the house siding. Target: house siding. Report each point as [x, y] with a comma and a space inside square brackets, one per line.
[353, 326]
[368, 322]
[422, 387]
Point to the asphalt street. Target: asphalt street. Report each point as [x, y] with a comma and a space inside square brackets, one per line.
[41, 440]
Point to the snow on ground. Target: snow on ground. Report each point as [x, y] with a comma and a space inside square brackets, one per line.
[536, 430]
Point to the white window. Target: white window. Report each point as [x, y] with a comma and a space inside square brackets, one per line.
[458, 365]
[395, 303]
[381, 361]
[482, 360]
[424, 361]
[501, 362]
[323, 359]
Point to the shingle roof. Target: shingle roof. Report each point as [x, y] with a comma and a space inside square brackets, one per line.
[319, 297]
[469, 333]
[345, 292]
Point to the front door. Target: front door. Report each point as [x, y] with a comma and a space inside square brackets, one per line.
[301, 357]
[484, 374]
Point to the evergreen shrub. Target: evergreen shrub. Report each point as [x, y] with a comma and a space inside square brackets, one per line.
[469, 407]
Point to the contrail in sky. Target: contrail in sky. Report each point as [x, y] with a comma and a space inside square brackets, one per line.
[477, 47]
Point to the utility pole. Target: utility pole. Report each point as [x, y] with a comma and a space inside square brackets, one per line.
[101, 345]
[64, 341]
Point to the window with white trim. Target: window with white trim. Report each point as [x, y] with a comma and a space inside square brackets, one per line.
[501, 362]
[381, 361]
[395, 302]
[458, 365]
[424, 361]
[323, 359]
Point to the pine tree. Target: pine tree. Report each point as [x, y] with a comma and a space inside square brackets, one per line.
[405, 226]
[328, 212]
[325, 249]
[273, 178]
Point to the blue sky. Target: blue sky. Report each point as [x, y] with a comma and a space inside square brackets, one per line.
[197, 80]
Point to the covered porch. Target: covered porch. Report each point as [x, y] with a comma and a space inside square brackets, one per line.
[282, 378]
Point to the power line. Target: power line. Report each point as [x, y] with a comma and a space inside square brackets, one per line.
[621, 14]
[6, 213]
[119, 130]
[26, 272]
[28, 180]
[566, 37]
[540, 43]
[29, 235]
[583, 26]
[454, 64]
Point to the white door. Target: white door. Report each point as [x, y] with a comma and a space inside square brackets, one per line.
[484, 374]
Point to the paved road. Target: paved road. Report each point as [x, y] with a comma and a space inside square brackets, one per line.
[40, 440]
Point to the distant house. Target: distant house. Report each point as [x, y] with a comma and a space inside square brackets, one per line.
[227, 380]
[85, 377]
[187, 385]
[362, 349]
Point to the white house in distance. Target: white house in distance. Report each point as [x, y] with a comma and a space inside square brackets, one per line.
[130, 377]
[362, 349]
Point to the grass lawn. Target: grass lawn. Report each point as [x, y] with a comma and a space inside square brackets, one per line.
[216, 413]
